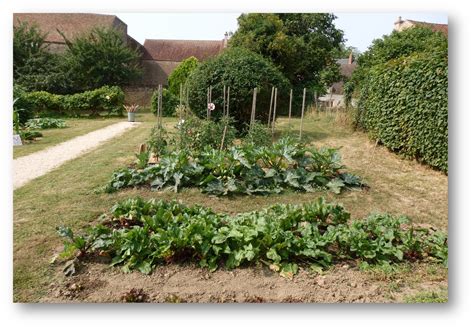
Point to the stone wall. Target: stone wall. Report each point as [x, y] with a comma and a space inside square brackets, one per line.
[138, 95]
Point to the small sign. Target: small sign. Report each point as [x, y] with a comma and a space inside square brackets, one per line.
[211, 106]
[17, 140]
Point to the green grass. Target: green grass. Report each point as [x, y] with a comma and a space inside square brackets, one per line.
[428, 297]
[51, 137]
[65, 196]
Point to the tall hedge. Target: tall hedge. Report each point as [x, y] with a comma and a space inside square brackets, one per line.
[241, 70]
[403, 103]
[181, 73]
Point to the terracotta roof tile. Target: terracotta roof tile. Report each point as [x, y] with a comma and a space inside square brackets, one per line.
[443, 28]
[71, 25]
[179, 50]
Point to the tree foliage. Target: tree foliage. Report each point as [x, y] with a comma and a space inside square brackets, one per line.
[300, 45]
[101, 57]
[28, 42]
[181, 73]
[242, 70]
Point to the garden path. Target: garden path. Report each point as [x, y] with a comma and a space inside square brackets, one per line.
[34, 165]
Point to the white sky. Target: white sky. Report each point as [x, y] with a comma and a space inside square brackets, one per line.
[359, 28]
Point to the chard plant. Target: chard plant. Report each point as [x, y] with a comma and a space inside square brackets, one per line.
[141, 235]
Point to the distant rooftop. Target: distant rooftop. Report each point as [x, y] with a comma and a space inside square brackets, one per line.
[179, 50]
[72, 25]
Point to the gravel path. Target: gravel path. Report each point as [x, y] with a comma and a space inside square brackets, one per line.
[39, 163]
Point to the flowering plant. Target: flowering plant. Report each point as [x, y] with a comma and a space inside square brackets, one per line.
[211, 106]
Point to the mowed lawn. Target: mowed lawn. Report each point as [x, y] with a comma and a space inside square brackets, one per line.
[66, 195]
[75, 127]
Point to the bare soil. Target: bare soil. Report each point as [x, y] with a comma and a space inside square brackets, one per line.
[186, 283]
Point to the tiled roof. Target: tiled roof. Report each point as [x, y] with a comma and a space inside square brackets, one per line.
[71, 25]
[443, 28]
[179, 50]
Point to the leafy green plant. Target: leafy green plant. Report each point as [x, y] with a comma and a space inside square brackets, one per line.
[258, 134]
[45, 123]
[243, 169]
[157, 141]
[29, 135]
[141, 234]
[196, 134]
[142, 159]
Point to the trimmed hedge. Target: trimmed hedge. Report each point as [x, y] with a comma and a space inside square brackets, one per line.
[41, 103]
[404, 104]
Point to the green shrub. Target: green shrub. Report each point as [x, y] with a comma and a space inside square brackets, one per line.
[105, 99]
[181, 73]
[241, 70]
[20, 106]
[404, 105]
[142, 234]
[169, 101]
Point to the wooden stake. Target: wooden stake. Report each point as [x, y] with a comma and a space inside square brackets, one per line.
[274, 111]
[228, 100]
[223, 137]
[224, 100]
[254, 105]
[270, 110]
[302, 112]
[289, 110]
[207, 105]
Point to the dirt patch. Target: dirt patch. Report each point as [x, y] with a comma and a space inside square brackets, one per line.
[187, 283]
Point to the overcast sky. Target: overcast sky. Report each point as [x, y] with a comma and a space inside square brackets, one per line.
[359, 29]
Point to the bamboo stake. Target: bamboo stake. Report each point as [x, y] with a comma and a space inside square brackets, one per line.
[270, 110]
[302, 112]
[274, 111]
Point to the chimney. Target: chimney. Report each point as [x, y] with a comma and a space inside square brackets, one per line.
[349, 61]
[398, 23]
[226, 38]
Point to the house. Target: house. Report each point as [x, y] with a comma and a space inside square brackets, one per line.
[335, 93]
[401, 25]
[163, 56]
[72, 26]
[158, 57]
